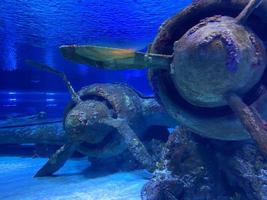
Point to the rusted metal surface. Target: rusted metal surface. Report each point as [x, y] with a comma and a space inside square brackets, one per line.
[251, 120]
[109, 119]
[209, 48]
[118, 101]
[32, 129]
[193, 167]
[215, 57]
[50, 133]
[213, 122]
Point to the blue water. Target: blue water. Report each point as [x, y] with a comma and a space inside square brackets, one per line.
[33, 29]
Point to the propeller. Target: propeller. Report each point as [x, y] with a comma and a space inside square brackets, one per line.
[248, 115]
[133, 143]
[75, 97]
[247, 11]
[251, 120]
[58, 159]
[113, 58]
[135, 146]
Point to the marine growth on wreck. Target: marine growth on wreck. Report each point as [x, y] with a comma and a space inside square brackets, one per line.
[201, 135]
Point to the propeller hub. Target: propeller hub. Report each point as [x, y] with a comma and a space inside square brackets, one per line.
[82, 122]
[217, 56]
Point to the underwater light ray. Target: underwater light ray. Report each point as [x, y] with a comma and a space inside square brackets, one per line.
[10, 53]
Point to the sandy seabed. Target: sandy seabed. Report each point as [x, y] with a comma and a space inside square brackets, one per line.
[73, 182]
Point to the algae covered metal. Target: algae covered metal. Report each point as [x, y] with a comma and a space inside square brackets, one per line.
[36, 128]
[207, 52]
[103, 120]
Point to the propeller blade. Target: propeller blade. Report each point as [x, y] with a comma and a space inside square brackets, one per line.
[45, 67]
[246, 12]
[75, 97]
[135, 146]
[251, 120]
[57, 160]
[113, 58]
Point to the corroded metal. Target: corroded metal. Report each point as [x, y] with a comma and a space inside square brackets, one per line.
[32, 129]
[62, 75]
[251, 120]
[86, 127]
[118, 101]
[209, 120]
[210, 48]
[103, 120]
[215, 57]
[194, 167]
[251, 6]
[109, 119]
[113, 58]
